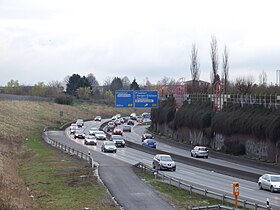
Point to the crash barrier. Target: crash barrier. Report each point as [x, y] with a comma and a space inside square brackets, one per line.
[191, 188]
[218, 207]
[69, 150]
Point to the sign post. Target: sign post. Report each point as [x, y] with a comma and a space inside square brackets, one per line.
[124, 98]
[146, 99]
[235, 191]
[136, 99]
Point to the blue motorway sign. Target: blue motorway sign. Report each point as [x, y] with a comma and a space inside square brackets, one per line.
[145, 98]
[124, 98]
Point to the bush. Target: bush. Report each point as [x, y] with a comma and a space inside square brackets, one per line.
[66, 100]
[234, 147]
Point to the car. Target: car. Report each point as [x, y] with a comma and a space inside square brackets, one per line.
[118, 131]
[126, 128]
[118, 140]
[149, 143]
[118, 116]
[117, 122]
[130, 122]
[147, 136]
[97, 118]
[125, 119]
[163, 162]
[133, 116]
[73, 128]
[110, 126]
[100, 135]
[139, 119]
[108, 146]
[199, 151]
[93, 130]
[90, 140]
[79, 133]
[146, 115]
[269, 182]
[80, 123]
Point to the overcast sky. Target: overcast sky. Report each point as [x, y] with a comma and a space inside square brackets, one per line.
[46, 40]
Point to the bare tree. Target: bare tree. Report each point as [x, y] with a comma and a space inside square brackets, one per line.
[263, 79]
[92, 80]
[225, 68]
[214, 59]
[194, 66]
[244, 84]
[126, 83]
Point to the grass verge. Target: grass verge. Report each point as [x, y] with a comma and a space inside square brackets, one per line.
[179, 197]
[57, 180]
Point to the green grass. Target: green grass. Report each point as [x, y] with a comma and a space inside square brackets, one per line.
[60, 181]
[181, 198]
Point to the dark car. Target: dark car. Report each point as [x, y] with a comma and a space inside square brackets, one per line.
[126, 128]
[79, 133]
[150, 143]
[130, 122]
[125, 119]
[118, 140]
[147, 136]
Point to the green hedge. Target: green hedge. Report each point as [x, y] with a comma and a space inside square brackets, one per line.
[257, 121]
[196, 115]
[249, 120]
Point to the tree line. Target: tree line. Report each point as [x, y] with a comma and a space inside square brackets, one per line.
[87, 87]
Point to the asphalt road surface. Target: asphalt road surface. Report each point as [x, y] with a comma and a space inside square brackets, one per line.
[130, 192]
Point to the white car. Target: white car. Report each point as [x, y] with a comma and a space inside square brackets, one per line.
[100, 135]
[90, 140]
[93, 130]
[108, 146]
[164, 162]
[269, 182]
[199, 151]
[97, 118]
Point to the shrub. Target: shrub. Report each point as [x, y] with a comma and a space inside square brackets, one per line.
[234, 147]
[66, 100]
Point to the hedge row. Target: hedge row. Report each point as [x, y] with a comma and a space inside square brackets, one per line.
[256, 120]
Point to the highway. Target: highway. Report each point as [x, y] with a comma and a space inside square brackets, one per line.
[208, 179]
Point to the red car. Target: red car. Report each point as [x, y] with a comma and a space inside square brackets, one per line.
[117, 131]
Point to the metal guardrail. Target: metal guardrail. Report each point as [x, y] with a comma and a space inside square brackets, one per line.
[218, 207]
[69, 150]
[206, 192]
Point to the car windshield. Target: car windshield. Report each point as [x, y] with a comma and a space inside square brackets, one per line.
[99, 132]
[118, 137]
[109, 143]
[90, 137]
[150, 141]
[166, 158]
[275, 178]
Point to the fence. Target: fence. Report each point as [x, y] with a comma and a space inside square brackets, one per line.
[207, 193]
[70, 150]
[269, 101]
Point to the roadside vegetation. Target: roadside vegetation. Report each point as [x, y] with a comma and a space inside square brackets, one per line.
[254, 120]
[179, 197]
[36, 176]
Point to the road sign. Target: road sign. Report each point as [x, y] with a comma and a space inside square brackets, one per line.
[146, 99]
[124, 98]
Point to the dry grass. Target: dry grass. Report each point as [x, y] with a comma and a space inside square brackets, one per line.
[21, 120]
